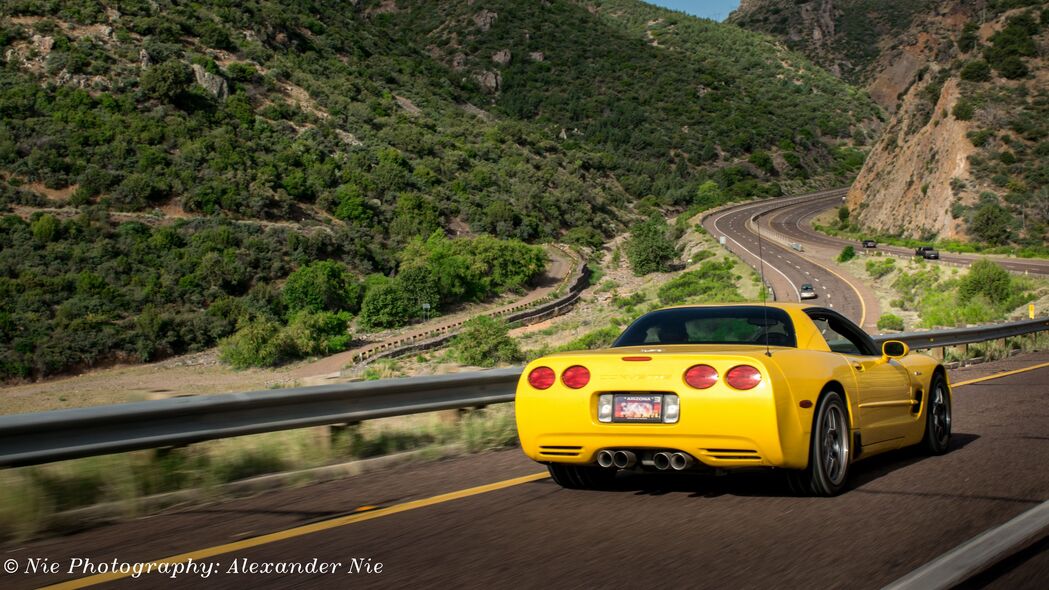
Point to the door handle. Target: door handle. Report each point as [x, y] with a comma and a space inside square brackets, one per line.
[857, 366]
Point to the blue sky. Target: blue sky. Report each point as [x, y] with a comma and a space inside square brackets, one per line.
[713, 9]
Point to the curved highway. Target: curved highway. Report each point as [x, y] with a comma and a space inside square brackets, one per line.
[794, 221]
[786, 269]
[496, 520]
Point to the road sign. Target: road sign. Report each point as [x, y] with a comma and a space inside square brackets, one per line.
[1030, 310]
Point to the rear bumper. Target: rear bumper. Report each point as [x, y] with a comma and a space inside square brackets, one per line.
[718, 427]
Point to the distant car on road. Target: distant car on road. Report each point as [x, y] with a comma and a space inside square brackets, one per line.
[927, 252]
[807, 292]
[870, 244]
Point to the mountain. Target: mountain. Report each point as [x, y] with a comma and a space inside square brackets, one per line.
[963, 156]
[164, 166]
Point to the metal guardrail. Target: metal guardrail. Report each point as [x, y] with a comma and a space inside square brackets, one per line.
[959, 336]
[29, 439]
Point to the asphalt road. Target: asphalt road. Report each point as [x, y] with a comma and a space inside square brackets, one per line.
[738, 531]
[786, 269]
[795, 222]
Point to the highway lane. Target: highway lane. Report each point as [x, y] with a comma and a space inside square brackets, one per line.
[740, 530]
[785, 269]
[795, 222]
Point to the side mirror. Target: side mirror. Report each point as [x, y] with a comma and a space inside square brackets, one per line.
[894, 349]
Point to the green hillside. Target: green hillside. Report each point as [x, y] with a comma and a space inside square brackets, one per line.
[165, 166]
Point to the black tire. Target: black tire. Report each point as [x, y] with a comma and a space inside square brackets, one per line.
[937, 417]
[829, 450]
[581, 477]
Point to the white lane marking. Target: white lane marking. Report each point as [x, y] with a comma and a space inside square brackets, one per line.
[716, 228]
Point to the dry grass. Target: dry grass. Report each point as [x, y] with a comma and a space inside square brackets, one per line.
[30, 495]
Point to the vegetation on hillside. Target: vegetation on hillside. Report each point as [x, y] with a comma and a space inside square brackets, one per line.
[165, 166]
[859, 29]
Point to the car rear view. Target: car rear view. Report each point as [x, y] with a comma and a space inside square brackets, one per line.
[681, 388]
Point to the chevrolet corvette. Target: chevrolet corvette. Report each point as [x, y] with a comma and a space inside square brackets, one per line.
[787, 386]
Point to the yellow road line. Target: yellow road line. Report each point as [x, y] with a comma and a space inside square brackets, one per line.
[309, 529]
[1002, 374]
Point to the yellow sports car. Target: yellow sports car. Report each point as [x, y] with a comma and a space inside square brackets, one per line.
[785, 385]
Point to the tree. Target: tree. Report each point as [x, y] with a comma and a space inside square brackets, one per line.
[324, 285]
[987, 279]
[843, 215]
[485, 342]
[977, 70]
[991, 224]
[167, 80]
[386, 305]
[649, 248]
[889, 321]
[847, 254]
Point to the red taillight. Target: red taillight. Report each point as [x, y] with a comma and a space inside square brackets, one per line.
[701, 376]
[541, 377]
[743, 377]
[575, 377]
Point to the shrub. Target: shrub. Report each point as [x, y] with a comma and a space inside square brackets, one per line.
[879, 268]
[485, 342]
[991, 224]
[649, 248]
[386, 305]
[889, 321]
[713, 281]
[843, 214]
[259, 344]
[167, 80]
[987, 279]
[317, 333]
[977, 70]
[963, 110]
[847, 254]
[324, 285]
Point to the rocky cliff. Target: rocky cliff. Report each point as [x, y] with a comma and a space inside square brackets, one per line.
[962, 156]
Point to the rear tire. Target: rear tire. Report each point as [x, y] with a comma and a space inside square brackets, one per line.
[937, 417]
[829, 451]
[581, 477]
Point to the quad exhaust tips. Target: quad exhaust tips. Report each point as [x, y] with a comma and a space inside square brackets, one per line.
[663, 460]
[678, 461]
[617, 459]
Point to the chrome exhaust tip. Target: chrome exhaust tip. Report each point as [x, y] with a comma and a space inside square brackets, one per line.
[661, 461]
[680, 461]
[624, 459]
[604, 458]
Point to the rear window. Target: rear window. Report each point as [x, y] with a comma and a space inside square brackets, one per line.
[711, 325]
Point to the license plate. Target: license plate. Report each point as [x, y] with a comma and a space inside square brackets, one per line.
[631, 407]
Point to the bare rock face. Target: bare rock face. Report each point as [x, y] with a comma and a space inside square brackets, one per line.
[215, 85]
[143, 58]
[484, 19]
[43, 44]
[490, 81]
[501, 57]
[905, 185]
[458, 62]
[536, 56]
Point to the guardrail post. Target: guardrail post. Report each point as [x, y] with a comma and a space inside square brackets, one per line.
[344, 436]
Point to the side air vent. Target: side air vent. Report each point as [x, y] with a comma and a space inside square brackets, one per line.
[559, 450]
[731, 454]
